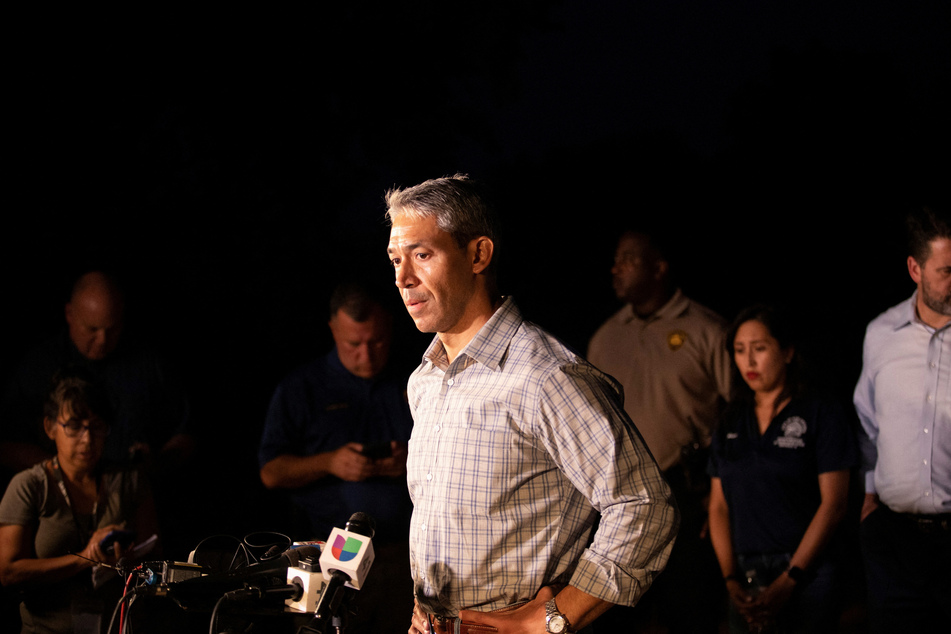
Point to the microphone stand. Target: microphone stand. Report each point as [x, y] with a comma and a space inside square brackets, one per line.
[332, 608]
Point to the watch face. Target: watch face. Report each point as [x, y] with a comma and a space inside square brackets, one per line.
[557, 624]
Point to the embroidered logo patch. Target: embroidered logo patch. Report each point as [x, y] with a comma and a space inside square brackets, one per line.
[676, 339]
[794, 428]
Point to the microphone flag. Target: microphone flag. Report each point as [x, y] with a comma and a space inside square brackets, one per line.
[348, 552]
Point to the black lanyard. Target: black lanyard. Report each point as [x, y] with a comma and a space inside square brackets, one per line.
[85, 534]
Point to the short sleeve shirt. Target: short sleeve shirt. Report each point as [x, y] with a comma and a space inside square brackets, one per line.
[771, 482]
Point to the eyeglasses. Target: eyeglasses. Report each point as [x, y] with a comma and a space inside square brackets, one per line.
[74, 428]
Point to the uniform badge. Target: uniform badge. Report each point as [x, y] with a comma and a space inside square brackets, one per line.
[676, 339]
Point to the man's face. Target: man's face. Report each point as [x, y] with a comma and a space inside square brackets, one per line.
[94, 320]
[635, 269]
[433, 273]
[933, 277]
[363, 347]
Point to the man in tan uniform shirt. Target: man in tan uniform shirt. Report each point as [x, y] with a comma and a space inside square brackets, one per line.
[669, 353]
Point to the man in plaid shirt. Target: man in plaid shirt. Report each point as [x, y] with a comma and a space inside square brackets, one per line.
[518, 447]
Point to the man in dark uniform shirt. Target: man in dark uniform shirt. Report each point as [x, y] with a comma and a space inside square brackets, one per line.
[335, 439]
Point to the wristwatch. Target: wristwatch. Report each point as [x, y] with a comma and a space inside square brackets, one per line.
[555, 621]
[796, 573]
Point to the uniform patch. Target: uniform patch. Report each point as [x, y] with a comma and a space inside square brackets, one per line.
[794, 428]
[676, 339]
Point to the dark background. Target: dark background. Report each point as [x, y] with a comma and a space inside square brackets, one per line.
[231, 168]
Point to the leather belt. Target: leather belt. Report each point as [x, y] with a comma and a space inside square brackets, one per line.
[453, 625]
[930, 523]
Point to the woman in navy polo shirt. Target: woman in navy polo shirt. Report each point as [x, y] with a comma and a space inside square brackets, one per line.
[780, 465]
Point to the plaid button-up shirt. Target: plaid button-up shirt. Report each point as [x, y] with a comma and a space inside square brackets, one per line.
[518, 446]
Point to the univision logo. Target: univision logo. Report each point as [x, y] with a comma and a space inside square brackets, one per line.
[345, 548]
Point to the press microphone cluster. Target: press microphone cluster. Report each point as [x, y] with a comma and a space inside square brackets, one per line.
[261, 579]
[319, 580]
[318, 586]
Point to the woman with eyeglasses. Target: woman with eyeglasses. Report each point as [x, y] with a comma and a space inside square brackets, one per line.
[55, 517]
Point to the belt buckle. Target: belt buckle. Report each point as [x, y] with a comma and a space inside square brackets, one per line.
[446, 624]
[932, 524]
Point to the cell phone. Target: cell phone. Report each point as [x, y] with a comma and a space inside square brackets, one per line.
[378, 450]
[118, 536]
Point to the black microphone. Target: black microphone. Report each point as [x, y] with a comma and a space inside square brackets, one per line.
[362, 524]
[264, 575]
[276, 567]
[293, 591]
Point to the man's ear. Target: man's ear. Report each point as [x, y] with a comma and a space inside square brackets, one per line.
[480, 253]
[914, 269]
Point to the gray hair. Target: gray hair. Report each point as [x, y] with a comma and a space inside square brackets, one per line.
[459, 205]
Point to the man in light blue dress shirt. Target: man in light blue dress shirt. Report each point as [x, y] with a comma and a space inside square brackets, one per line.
[903, 399]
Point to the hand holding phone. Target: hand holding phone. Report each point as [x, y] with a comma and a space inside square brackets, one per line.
[118, 536]
[377, 451]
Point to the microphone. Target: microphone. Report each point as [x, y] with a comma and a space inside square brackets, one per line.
[345, 562]
[288, 559]
[263, 575]
[350, 551]
[298, 580]
[276, 567]
[290, 592]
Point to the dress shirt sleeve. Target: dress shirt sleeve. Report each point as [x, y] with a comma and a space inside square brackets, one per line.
[864, 400]
[592, 441]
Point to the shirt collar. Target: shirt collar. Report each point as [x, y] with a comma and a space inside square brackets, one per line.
[909, 315]
[489, 345]
[675, 307]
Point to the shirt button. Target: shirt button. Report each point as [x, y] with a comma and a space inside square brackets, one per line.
[927, 493]
[437, 428]
[926, 430]
[925, 461]
[422, 527]
[450, 382]
[429, 477]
